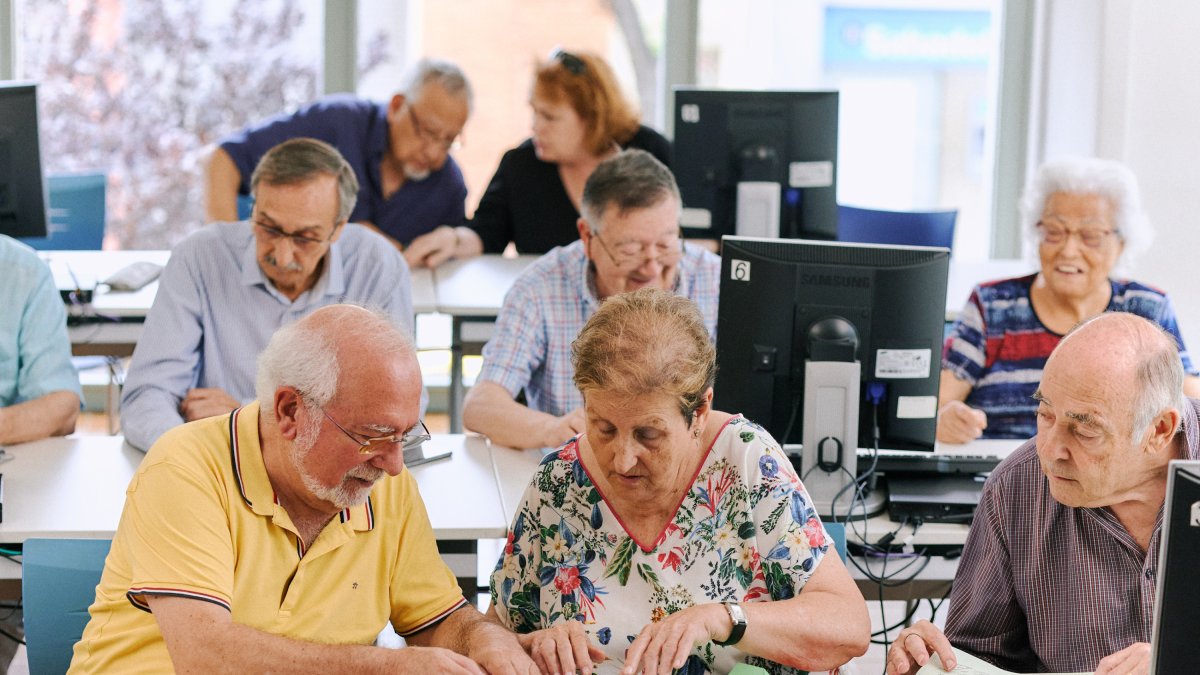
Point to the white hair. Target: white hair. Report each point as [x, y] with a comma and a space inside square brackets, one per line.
[1106, 178]
[300, 357]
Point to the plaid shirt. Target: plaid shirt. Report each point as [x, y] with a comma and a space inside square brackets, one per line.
[547, 307]
[1044, 587]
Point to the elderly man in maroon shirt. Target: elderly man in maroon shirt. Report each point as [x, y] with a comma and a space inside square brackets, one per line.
[1058, 573]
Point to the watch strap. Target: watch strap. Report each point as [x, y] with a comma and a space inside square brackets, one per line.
[738, 617]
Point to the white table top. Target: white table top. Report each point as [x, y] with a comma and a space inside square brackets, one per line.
[66, 487]
[75, 487]
[424, 297]
[86, 269]
[476, 286]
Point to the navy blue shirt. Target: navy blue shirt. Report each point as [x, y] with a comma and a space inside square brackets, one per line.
[358, 129]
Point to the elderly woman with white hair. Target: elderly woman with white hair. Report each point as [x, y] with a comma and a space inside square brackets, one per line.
[1084, 219]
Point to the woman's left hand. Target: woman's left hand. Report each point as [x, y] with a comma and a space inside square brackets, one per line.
[665, 646]
[562, 648]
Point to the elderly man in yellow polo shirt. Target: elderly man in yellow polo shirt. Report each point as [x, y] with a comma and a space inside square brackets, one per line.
[283, 536]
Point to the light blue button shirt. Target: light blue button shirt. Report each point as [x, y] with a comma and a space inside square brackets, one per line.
[216, 310]
[35, 355]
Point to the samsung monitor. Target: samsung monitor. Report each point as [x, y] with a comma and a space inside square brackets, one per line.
[1177, 605]
[22, 190]
[759, 163]
[858, 327]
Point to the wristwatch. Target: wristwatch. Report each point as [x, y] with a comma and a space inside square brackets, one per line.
[738, 616]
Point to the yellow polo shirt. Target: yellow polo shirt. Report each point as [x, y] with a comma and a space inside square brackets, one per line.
[202, 521]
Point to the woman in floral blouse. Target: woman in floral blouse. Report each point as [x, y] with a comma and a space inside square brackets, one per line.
[670, 535]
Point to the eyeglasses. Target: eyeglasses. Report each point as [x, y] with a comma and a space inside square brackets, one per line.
[572, 63]
[630, 255]
[300, 241]
[427, 135]
[1092, 237]
[370, 444]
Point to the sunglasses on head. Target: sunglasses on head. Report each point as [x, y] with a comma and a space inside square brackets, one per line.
[572, 63]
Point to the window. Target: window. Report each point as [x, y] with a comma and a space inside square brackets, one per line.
[139, 88]
[916, 118]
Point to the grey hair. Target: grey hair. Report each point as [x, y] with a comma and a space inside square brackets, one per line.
[1160, 384]
[305, 355]
[443, 73]
[299, 160]
[633, 179]
[1088, 175]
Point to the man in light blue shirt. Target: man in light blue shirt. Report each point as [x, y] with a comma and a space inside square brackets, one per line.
[229, 286]
[628, 239]
[39, 389]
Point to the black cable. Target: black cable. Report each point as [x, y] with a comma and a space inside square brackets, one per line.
[11, 636]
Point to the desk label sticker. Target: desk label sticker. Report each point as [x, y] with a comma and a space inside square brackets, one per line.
[1196, 514]
[739, 270]
[903, 364]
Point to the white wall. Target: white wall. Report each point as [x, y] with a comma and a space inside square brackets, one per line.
[1155, 129]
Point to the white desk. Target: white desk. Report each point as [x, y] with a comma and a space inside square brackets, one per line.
[472, 291]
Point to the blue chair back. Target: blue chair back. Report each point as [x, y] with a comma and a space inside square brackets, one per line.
[912, 228]
[58, 584]
[77, 212]
[245, 204]
[838, 532]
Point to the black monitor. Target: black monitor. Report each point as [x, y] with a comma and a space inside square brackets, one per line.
[780, 146]
[785, 302]
[1177, 604]
[22, 190]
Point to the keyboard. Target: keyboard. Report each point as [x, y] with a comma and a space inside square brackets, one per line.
[976, 457]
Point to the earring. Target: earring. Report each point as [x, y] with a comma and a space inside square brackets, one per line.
[696, 432]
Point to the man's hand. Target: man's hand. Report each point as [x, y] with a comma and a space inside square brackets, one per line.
[664, 647]
[912, 648]
[1133, 660]
[435, 660]
[563, 429]
[960, 423]
[208, 402]
[563, 648]
[432, 248]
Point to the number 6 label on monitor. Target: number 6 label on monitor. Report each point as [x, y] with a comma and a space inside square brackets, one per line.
[739, 270]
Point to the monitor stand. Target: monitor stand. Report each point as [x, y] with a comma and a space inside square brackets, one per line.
[757, 210]
[829, 460]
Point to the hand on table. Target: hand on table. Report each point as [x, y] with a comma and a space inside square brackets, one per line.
[959, 423]
[665, 646]
[432, 248]
[563, 648]
[1133, 660]
[913, 646]
[207, 402]
[564, 429]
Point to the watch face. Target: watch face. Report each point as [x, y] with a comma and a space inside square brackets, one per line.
[736, 613]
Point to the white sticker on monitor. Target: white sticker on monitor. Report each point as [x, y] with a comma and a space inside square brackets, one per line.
[1196, 514]
[690, 113]
[916, 407]
[697, 218]
[810, 174]
[739, 270]
[903, 364]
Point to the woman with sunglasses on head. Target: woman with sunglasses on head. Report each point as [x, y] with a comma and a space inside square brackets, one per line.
[1084, 219]
[580, 118]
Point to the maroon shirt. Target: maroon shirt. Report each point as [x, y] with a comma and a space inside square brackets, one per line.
[1044, 587]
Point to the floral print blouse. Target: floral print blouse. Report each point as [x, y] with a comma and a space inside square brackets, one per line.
[746, 531]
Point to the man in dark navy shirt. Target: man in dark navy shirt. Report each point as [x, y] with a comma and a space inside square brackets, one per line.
[408, 184]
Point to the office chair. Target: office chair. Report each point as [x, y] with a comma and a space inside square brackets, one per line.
[75, 221]
[913, 228]
[245, 206]
[58, 584]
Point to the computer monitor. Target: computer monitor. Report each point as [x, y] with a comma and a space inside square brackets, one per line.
[1177, 604]
[760, 163]
[22, 190]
